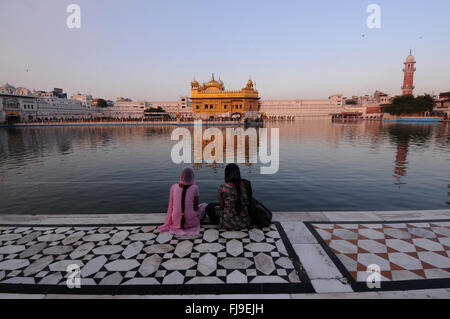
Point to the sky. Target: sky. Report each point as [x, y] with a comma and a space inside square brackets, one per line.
[292, 49]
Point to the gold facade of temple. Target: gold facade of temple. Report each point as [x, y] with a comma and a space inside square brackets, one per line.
[212, 100]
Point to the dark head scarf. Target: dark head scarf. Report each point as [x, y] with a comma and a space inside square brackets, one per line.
[233, 175]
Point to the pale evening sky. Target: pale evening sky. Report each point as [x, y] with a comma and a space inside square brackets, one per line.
[293, 49]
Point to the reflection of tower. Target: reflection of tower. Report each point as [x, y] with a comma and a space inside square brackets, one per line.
[408, 80]
[400, 159]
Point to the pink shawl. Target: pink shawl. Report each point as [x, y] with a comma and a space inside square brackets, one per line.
[174, 212]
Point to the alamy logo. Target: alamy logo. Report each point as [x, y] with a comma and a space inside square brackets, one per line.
[374, 19]
[73, 276]
[211, 150]
[374, 278]
[74, 19]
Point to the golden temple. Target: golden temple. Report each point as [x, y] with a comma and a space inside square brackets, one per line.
[211, 100]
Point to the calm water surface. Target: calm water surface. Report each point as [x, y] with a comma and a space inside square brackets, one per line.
[323, 166]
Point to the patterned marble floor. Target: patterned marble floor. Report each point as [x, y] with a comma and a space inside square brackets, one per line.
[136, 259]
[410, 255]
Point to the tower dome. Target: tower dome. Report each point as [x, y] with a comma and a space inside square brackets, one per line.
[410, 59]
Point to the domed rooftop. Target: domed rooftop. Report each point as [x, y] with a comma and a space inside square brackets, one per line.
[22, 91]
[410, 58]
[195, 84]
[214, 85]
[7, 88]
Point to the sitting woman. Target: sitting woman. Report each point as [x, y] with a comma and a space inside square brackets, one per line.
[235, 196]
[184, 213]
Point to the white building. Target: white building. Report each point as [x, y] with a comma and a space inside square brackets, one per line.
[65, 109]
[182, 107]
[303, 108]
[16, 104]
[126, 108]
[85, 99]
[16, 108]
[20, 104]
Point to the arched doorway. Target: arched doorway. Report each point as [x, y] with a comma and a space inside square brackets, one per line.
[12, 118]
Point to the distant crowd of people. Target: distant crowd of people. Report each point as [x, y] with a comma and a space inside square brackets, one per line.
[123, 119]
[280, 118]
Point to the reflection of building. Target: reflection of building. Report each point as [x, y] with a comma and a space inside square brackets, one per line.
[403, 136]
[400, 160]
[408, 80]
[212, 100]
[242, 145]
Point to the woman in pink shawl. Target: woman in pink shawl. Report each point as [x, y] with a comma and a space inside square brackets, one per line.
[184, 213]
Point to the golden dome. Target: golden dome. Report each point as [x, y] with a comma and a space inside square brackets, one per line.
[195, 84]
[214, 85]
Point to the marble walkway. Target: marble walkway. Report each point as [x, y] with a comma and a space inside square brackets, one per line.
[302, 255]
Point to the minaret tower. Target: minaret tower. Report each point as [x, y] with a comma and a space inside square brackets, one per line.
[408, 80]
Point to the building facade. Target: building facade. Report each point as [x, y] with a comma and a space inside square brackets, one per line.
[85, 99]
[57, 92]
[176, 109]
[127, 109]
[14, 108]
[443, 104]
[20, 104]
[211, 100]
[53, 108]
[303, 108]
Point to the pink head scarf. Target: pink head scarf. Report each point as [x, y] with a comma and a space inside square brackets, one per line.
[174, 219]
[187, 176]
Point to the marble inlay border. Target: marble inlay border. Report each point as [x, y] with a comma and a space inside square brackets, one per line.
[399, 241]
[275, 270]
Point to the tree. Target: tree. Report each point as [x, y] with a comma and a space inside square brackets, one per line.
[408, 104]
[102, 103]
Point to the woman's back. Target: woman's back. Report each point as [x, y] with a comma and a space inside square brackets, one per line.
[235, 215]
[184, 213]
[190, 215]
